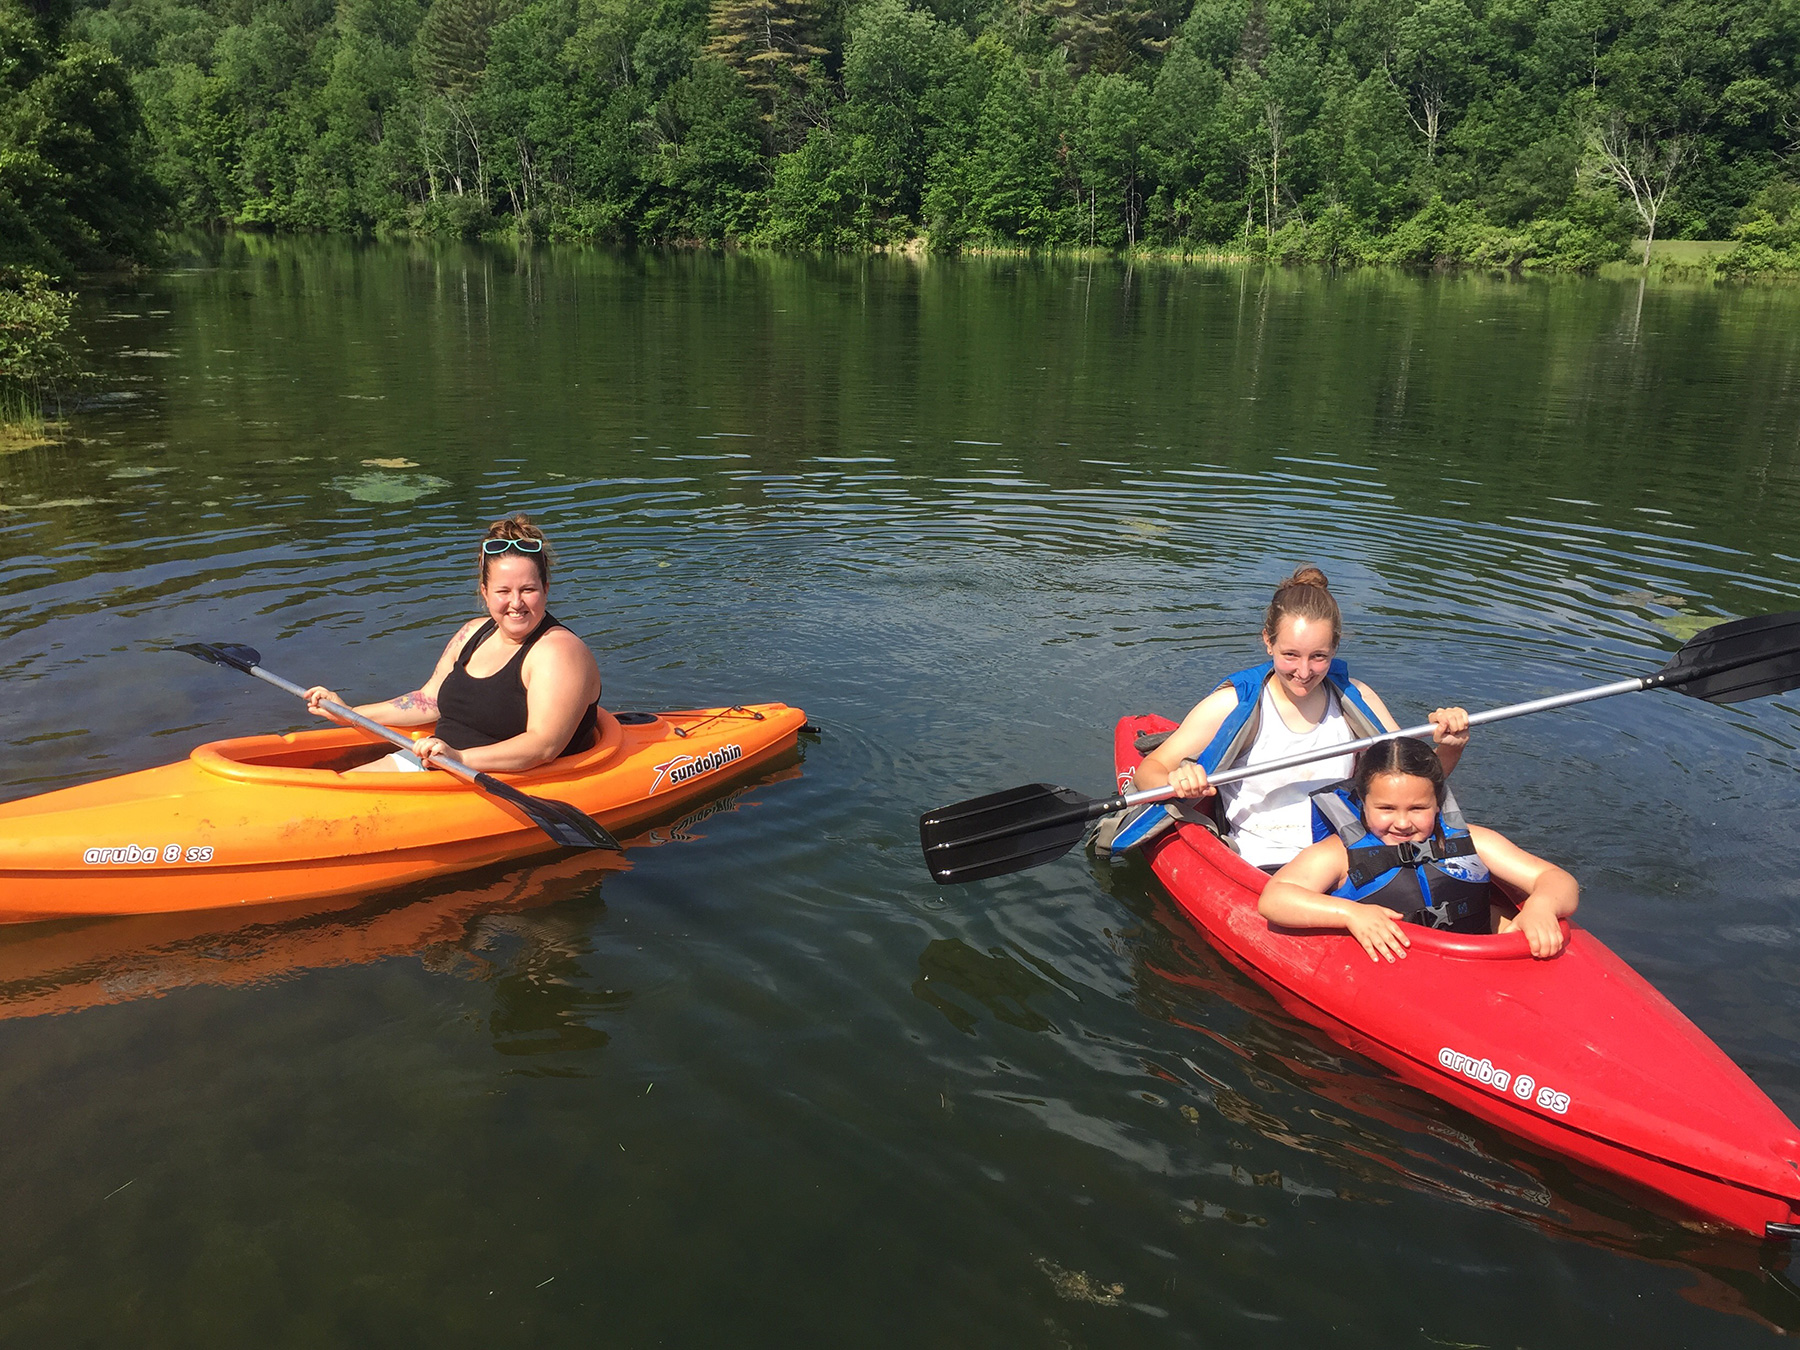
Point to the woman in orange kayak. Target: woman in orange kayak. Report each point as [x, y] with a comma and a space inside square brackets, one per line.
[1400, 853]
[510, 692]
[1302, 698]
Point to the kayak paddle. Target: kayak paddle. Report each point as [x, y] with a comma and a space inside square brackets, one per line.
[1025, 826]
[563, 823]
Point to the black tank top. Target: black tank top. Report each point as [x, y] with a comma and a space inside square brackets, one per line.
[474, 712]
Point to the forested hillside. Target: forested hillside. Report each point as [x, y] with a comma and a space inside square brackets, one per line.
[74, 192]
[1496, 131]
[73, 187]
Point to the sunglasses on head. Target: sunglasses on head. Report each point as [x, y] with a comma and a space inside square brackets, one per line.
[492, 547]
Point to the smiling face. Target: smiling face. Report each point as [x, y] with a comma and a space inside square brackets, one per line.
[1301, 650]
[1400, 808]
[514, 594]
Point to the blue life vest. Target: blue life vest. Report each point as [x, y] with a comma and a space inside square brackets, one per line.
[1237, 733]
[1438, 882]
[1235, 736]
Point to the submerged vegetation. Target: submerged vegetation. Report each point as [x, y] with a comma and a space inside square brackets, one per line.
[1502, 133]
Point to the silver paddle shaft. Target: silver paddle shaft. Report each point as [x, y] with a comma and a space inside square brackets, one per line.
[370, 725]
[1165, 792]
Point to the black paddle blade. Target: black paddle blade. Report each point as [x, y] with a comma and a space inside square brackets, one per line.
[233, 654]
[1736, 661]
[1003, 832]
[563, 823]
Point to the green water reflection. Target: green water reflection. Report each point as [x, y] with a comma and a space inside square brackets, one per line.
[763, 1083]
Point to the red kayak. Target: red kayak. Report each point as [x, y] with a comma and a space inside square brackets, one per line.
[1577, 1054]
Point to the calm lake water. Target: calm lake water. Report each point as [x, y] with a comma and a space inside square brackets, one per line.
[764, 1084]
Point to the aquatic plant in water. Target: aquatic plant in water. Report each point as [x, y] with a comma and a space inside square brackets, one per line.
[389, 487]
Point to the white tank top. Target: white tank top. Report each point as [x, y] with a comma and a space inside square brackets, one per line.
[1271, 815]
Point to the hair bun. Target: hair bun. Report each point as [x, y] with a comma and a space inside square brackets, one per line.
[1308, 576]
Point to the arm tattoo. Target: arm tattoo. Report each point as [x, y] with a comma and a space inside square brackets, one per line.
[417, 699]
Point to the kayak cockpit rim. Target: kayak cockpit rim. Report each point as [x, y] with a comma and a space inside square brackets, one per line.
[1463, 946]
[310, 759]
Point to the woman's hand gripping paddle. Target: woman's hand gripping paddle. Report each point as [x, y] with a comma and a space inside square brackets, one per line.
[1024, 826]
[563, 823]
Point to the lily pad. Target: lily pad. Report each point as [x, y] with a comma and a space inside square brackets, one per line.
[1684, 627]
[389, 464]
[389, 487]
[135, 471]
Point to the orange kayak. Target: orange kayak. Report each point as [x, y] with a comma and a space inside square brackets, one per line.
[261, 819]
[51, 968]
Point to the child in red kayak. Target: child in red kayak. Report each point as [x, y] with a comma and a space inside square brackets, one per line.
[1399, 852]
[1302, 698]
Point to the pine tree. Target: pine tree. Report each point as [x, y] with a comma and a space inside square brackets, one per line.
[768, 42]
[1109, 37]
[450, 50]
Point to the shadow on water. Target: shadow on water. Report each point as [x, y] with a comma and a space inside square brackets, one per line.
[997, 980]
[1377, 1132]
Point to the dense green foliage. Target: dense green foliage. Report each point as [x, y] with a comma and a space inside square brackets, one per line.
[1504, 132]
[35, 351]
[1769, 237]
[74, 191]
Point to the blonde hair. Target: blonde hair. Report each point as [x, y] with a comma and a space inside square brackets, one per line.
[515, 527]
[1304, 595]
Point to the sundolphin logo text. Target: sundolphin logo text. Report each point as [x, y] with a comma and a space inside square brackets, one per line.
[684, 767]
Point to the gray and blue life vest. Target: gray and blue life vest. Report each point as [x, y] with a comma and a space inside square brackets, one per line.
[1438, 882]
[1235, 736]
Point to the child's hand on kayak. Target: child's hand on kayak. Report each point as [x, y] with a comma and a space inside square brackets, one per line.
[1379, 929]
[1537, 920]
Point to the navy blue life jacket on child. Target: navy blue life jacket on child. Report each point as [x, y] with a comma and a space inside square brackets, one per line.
[1438, 882]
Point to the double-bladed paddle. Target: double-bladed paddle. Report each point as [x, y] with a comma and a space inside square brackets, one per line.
[1024, 826]
[563, 823]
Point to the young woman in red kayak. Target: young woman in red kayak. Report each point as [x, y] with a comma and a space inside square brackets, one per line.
[1400, 853]
[510, 692]
[1301, 698]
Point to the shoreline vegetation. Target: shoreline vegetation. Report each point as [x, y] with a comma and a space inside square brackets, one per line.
[1496, 135]
[76, 194]
[37, 355]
